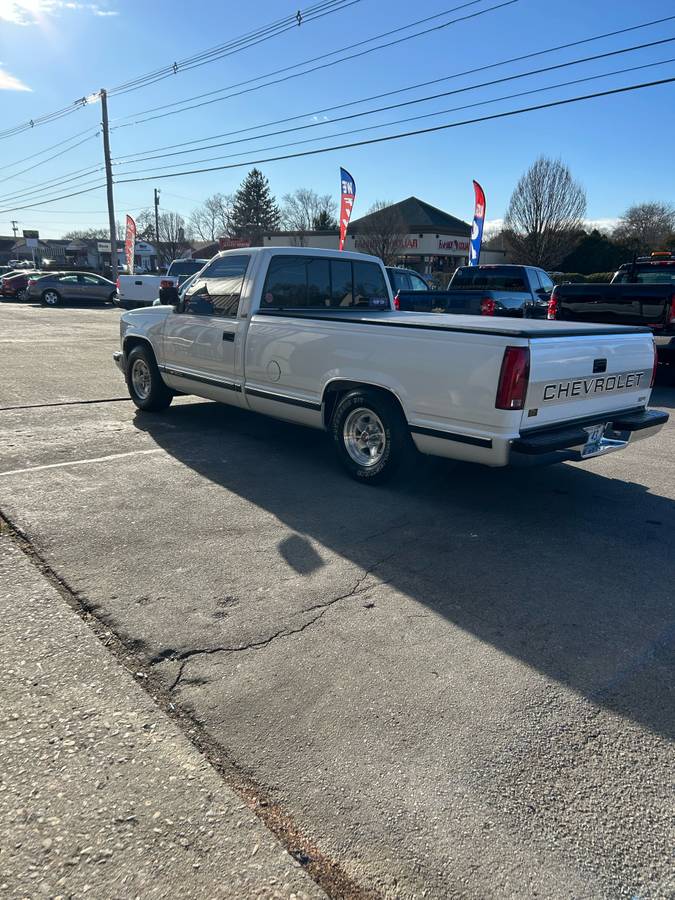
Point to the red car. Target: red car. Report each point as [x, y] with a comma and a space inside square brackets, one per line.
[14, 284]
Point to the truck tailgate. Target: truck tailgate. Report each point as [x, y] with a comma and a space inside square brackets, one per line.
[581, 376]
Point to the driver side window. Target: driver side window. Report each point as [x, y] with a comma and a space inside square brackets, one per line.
[217, 291]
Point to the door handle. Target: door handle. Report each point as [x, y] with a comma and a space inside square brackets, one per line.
[228, 336]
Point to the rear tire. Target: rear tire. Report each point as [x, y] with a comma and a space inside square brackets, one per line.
[144, 381]
[371, 436]
[51, 298]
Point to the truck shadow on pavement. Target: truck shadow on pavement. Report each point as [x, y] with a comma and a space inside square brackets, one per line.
[563, 568]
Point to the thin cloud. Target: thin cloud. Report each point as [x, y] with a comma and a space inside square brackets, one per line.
[35, 12]
[11, 83]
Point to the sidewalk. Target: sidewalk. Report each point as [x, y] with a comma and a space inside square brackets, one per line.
[100, 794]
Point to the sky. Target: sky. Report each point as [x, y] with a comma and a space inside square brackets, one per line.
[53, 52]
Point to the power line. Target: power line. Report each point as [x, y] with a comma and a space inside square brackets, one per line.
[87, 190]
[46, 185]
[323, 65]
[324, 8]
[235, 46]
[60, 144]
[404, 103]
[405, 134]
[440, 112]
[402, 90]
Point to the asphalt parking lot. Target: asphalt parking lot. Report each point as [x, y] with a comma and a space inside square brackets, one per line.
[460, 685]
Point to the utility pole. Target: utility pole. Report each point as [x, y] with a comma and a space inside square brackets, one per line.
[157, 192]
[109, 184]
[15, 227]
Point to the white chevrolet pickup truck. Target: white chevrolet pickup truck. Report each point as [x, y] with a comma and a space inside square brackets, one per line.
[311, 336]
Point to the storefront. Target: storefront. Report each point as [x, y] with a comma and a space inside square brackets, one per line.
[411, 233]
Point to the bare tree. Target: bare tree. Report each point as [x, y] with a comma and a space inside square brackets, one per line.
[304, 210]
[91, 234]
[174, 234]
[382, 232]
[213, 219]
[545, 215]
[645, 227]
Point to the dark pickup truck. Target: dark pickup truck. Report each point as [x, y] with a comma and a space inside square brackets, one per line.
[641, 293]
[512, 291]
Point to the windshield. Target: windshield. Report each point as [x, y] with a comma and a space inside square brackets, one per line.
[185, 266]
[651, 273]
[495, 279]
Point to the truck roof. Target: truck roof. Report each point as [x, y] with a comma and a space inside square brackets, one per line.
[299, 251]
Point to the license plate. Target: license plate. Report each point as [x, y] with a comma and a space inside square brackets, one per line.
[594, 439]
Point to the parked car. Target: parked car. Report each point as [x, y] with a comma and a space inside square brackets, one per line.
[143, 290]
[406, 280]
[13, 286]
[310, 336]
[501, 290]
[641, 293]
[59, 287]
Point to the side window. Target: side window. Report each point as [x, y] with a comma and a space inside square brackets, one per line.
[369, 285]
[89, 280]
[546, 282]
[341, 282]
[318, 283]
[286, 283]
[417, 283]
[315, 282]
[217, 291]
[68, 279]
[401, 281]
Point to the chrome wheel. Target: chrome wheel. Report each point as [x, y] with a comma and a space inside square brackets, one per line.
[51, 298]
[364, 437]
[141, 378]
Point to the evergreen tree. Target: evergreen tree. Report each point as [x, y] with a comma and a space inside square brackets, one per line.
[254, 210]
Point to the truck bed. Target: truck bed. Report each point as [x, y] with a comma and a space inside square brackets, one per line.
[521, 328]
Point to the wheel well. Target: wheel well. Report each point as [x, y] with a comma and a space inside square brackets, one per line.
[336, 390]
[134, 341]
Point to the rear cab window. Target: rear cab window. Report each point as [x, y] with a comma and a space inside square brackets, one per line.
[496, 278]
[651, 273]
[321, 283]
[217, 290]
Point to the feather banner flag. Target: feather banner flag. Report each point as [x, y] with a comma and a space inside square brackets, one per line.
[130, 244]
[478, 222]
[347, 197]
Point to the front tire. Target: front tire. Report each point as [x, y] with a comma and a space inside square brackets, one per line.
[51, 298]
[144, 382]
[371, 436]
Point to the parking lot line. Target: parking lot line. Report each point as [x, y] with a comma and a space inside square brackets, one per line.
[81, 462]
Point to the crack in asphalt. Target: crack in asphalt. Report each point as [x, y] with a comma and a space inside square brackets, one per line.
[65, 403]
[185, 656]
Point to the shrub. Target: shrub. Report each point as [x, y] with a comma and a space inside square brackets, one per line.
[567, 277]
[600, 277]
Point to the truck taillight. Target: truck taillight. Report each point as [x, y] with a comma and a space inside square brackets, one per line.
[166, 284]
[117, 283]
[513, 378]
[487, 306]
[397, 302]
[654, 366]
[553, 305]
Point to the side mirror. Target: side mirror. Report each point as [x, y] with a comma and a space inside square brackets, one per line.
[168, 296]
